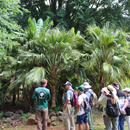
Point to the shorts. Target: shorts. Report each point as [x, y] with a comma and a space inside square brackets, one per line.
[82, 118]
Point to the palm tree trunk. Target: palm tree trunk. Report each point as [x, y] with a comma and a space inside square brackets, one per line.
[14, 99]
[53, 93]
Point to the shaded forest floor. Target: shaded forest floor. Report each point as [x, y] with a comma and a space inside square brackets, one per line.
[97, 123]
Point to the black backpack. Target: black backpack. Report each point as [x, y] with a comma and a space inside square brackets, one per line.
[112, 110]
[86, 105]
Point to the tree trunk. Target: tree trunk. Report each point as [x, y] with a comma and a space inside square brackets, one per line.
[18, 96]
[53, 93]
[14, 98]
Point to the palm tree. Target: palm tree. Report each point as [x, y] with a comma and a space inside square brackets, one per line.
[109, 54]
[46, 53]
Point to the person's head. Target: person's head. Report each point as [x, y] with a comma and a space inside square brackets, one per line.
[112, 89]
[80, 89]
[115, 85]
[126, 91]
[105, 91]
[110, 92]
[67, 85]
[44, 82]
[86, 85]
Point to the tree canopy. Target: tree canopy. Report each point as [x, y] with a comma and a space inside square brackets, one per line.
[80, 13]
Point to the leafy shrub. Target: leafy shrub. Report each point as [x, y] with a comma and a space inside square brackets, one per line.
[25, 116]
[1, 113]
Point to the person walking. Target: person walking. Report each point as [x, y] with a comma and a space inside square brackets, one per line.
[123, 102]
[68, 111]
[127, 92]
[42, 95]
[81, 115]
[108, 94]
[88, 93]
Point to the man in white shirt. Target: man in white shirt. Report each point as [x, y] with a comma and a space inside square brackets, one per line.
[81, 115]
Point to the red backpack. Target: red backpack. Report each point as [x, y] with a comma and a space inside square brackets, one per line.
[74, 100]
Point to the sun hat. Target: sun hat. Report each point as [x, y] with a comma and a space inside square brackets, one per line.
[105, 90]
[86, 85]
[115, 85]
[67, 83]
[80, 88]
[126, 90]
[111, 88]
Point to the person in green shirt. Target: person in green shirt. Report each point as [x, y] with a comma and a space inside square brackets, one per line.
[42, 94]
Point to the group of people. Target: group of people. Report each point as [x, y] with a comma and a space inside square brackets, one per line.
[113, 94]
[110, 93]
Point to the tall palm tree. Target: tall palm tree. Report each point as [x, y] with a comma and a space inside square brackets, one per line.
[109, 54]
[44, 54]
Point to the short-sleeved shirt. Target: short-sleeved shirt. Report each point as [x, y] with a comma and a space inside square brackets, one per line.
[42, 95]
[81, 99]
[88, 94]
[68, 95]
[121, 98]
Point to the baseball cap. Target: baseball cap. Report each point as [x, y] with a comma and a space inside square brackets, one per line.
[115, 84]
[126, 90]
[80, 88]
[67, 83]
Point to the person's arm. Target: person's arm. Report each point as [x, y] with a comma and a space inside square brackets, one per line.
[34, 95]
[68, 98]
[67, 101]
[49, 95]
[124, 106]
[78, 105]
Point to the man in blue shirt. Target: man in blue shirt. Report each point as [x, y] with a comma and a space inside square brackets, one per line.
[68, 111]
[42, 94]
[90, 117]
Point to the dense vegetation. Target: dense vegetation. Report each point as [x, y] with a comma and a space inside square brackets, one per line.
[62, 40]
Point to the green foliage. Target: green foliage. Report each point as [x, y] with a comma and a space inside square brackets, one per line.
[1, 113]
[109, 56]
[80, 13]
[55, 109]
[25, 116]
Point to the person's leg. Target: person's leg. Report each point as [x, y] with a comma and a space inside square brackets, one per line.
[80, 122]
[121, 122]
[87, 126]
[128, 121]
[85, 120]
[38, 118]
[71, 116]
[114, 123]
[90, 120]
[80, 126]
[45, 119]
[66, 118]
[107, 122]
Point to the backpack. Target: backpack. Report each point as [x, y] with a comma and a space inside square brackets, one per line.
[74, 100]
[112, 110]
[86, 105]
[93, 98]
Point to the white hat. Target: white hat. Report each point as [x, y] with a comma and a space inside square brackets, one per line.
[105, 90]
[86, 85]
[127, 90]
[111, 88]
